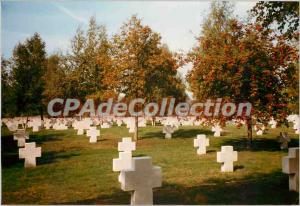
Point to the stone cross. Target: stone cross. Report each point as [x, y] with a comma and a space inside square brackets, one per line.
[273, 123]
[217, 130]
[296, 126]
[124, 162]
[201, 142]
[284, 139]
[93, 133]
[12, 126]
[168, 130]
[290, 166]
[259, 132]
[227, 156]
[259, 129]
[119, 122]
[80, 126]
[21, 135]
[131, 125]
[126, 145]
[36, 125]
[141, 180]
[60, 126]
[29, 153]
[142, 122]
[48, 124]
[105, 125]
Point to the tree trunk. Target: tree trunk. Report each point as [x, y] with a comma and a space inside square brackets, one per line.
[42, 113]
[26, 124]
[136, 128]
[249, 132]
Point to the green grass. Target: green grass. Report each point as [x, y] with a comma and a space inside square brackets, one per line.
[73, 171]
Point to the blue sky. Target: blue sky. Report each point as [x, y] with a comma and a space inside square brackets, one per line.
[178, 22]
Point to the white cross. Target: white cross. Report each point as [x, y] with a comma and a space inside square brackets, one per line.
[80, 126]
[296, 127]
[12, 126]
[36, 125]
[60, 126]
[168, 130]
[284, 140]
[93, 133]
[201, 142]
[290, 165]
[105, 125]
[259, 129]
[217, 130]
[273, 123]
[227, 156]
[20, 135]
[119, 122]
[30, 152]
[142, 179]
[142, 122]
[21, 132]
[126, 145]
[124, 162]
[48, 124]
[131, 125]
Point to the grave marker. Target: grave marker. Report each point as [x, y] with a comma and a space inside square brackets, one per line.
[227, 156]
[126, 145]
[290, 166]
[21, 135]
[93, 133]
[30, 152]
[217, 130]
[201, 142]
[141, 180]
[284, 139]
[168, 130]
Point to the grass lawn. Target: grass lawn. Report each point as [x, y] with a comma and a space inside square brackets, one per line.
[73, 171]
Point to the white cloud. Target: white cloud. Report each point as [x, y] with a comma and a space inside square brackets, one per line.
[71, 14]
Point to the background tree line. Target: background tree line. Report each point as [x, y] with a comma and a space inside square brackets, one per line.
[254, 61]
[133, 62]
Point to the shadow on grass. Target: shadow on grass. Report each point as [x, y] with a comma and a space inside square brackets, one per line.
[259, 189]
[238, 167]
[181, 133]
[117, 197]
[255, 189]
[10, 149]
[50, 157]
[258, 144]
[10, 153]
[40, 138]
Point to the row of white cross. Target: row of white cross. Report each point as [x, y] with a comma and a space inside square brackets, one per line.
[290, 163]
[227, 156]
[171, 124]
[27, 151]
[137, 174]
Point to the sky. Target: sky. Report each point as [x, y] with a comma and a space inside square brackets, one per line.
[178, 22]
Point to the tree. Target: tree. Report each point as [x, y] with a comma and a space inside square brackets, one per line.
[88, 62]
[242, 63]
[144, 67]
[8, 106]
[283, 15]
[28, 67]
[55, 78]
